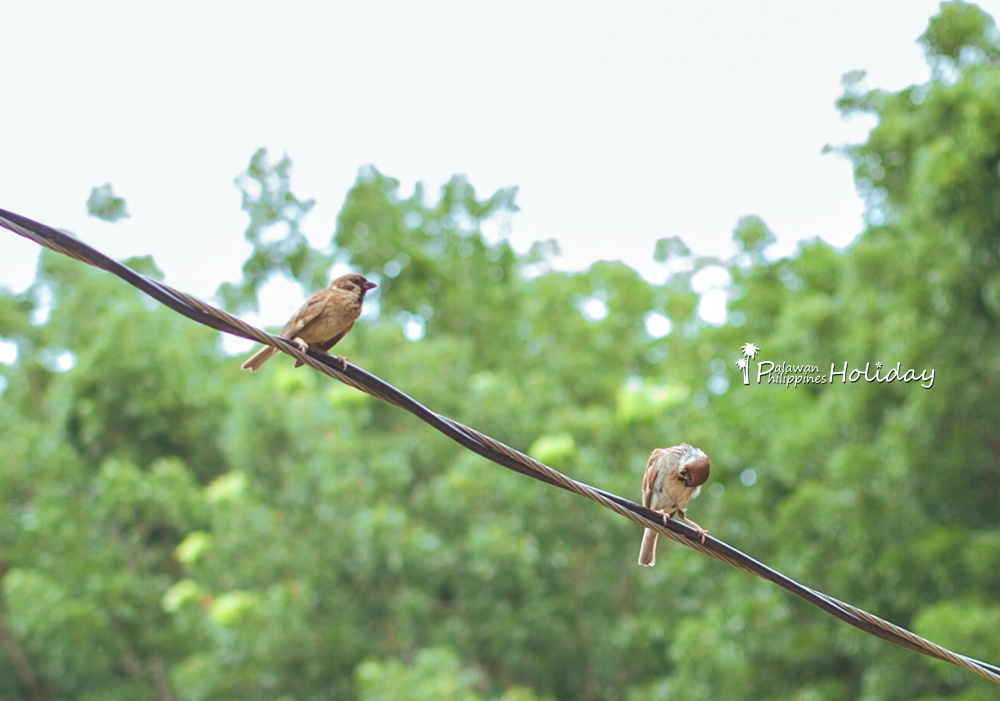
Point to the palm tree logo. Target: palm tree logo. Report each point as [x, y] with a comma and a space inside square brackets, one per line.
[750, 350]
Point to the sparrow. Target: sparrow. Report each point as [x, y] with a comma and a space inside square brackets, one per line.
[673, 477]
[323, 320]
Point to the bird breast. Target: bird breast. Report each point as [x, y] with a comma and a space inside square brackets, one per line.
[669, 493]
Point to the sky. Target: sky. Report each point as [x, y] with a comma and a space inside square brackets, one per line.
[620, 123]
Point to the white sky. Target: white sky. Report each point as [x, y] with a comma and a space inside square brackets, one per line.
[620, 122]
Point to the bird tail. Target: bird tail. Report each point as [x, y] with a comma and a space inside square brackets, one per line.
[647, 552]
[259, 358]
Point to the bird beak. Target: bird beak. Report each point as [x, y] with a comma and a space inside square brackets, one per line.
[369, 285]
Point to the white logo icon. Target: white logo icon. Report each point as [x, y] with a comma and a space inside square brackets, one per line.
[750, 350]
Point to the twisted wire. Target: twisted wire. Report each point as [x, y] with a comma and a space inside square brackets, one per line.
[486, 446]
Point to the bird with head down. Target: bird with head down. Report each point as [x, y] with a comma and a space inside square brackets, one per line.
[672, 479]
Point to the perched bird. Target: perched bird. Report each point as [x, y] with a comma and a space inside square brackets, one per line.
[323, 320]
[673, 477]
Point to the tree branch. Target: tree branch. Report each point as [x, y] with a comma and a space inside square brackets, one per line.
[160, 679]
[24, 671]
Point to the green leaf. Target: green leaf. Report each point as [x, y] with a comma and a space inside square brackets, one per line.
[104, 204]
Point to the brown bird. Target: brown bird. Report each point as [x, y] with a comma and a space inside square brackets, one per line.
[323, 320]
[673, 477]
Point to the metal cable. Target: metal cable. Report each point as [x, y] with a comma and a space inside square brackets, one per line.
[485, 446]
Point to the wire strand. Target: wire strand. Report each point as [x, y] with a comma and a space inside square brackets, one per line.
[485, 446]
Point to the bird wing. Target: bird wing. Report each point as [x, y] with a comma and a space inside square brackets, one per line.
[647, 481]
[306, 315]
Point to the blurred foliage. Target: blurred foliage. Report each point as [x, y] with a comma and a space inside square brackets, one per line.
[279, 246]
[104, 204]
[172, 525]
[435, 675]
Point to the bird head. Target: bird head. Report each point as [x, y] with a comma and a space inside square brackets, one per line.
[354, 283]
[695, 467]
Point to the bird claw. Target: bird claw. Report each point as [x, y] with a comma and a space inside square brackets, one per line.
[699, 531]
[303, 346]
[343, 363]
